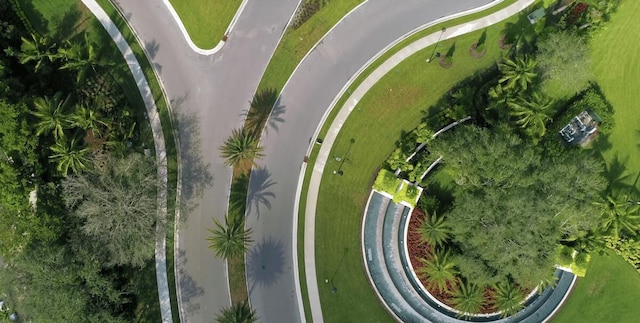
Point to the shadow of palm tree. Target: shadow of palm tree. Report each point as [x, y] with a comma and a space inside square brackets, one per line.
[239, 193]
[265, 109]
[520, 34]
[194, 171]
[189, 288]
[257, 194]
[265, 263]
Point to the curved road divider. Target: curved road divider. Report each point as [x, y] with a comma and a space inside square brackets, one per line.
[190, 42]
[160, 151]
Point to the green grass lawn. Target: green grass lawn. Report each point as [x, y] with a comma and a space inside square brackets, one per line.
[206, 20]
[615, 55]
[609, 293]
[395, 104]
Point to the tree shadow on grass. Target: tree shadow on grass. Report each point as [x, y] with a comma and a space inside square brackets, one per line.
[265, 263]
[195, 174]
[258, 193]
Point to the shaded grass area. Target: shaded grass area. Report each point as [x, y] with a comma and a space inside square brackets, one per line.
[615, 54]
[296, 43]
[393, 106]
[608, 293]
[206, 20]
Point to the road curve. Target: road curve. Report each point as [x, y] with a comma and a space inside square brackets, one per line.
[209, 94]
[304, 100]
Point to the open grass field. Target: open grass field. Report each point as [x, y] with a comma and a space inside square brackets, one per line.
[206, 20]
[609, 293]
[615, 55]
[393, 105]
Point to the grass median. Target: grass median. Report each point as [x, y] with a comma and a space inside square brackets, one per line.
[206, 21]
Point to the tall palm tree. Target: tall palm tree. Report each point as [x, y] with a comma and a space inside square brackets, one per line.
[38, 49]
[82, 58]
[232, 239]
[52, 116]
[240, 146]
[531, 114]
[619, 217]
[69, 155]
[238, 313]
[518, 73]
[468, 298]
[434, 230]
[439, 269]
[508, 298]
[88, 119]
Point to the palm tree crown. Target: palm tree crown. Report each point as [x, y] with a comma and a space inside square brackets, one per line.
[468, 298]
[508, 298]
[238, 313]
[434, 230]
[52, 116]
[532, 114]
[69, 156]
[439, 270]
[240, 146]
[619, 216]
[232, 239]
[518, 73]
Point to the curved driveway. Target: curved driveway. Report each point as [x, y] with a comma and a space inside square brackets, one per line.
[208, 93]
[303, 102]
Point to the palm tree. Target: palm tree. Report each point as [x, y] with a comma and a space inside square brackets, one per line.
[508, 298]
[238, 313]
[468, 298]
[39, 49]
[531, 114]
[260, 109]
[81, 57]
[232, 239]
[69, 156]
[86, 119]
[239, 147]
[434, 230]
[518, 73]
[51, 113]
[439, 270]
[619, 217]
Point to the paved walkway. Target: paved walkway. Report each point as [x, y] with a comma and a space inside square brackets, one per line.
[352, 101]
[159, 145]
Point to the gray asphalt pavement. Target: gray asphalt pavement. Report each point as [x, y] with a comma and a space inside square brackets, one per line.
[303, 102]
[209, 94]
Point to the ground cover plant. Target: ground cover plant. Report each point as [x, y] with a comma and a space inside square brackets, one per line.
[206, 21]
[67, 88]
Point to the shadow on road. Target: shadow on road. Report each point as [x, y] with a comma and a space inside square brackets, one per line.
[189, 289]
[258, 193]
[265, 263]
[195, 172]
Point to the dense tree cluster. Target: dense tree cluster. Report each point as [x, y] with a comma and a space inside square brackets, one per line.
[67, 134]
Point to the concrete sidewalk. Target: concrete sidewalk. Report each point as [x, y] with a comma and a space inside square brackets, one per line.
[159, 145]
[351, 102]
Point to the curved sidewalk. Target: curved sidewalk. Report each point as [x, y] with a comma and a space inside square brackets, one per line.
[386, 261]
[160, 151]
[341, 117]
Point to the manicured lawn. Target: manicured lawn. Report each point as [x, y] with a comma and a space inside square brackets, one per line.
[609, 293]
[395, 104]
[206, 20]
[615, 54]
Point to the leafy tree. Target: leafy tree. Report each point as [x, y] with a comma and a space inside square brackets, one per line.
[518, 73]
[240, 312]
[81, 57]
[52, 115]
[439, 270]
[532, 114]
[468, 298]
[38, 49]
[117, 204]
[619, 217]
[563, 58]
[434, 230]
[508, 298]
[232, 239]
[424, 134]
[239, 147]
[69, 155]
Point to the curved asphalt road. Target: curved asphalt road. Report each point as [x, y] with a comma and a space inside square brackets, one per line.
[304, 100]
[209, 94]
